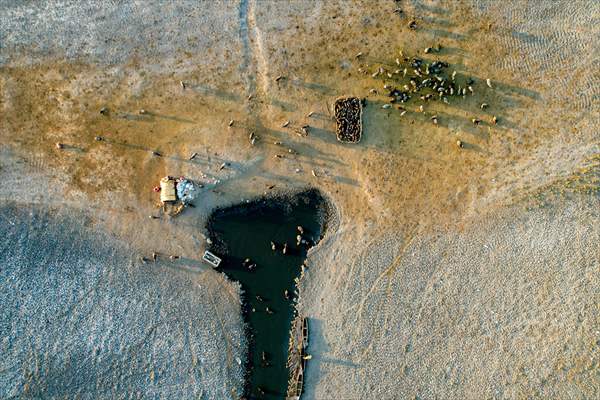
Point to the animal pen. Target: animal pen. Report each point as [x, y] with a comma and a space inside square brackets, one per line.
[348, 118]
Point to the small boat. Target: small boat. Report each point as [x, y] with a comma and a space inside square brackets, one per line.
[304, 333]
[297, 356]
[296, 384]
[211, 259]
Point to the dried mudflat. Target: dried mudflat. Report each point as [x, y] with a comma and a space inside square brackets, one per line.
[449, 272]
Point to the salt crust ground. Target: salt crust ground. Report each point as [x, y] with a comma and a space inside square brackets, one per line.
[83, 318]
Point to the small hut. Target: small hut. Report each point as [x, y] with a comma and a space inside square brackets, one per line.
[167, 190]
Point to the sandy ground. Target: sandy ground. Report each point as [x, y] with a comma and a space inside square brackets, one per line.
[448, 272]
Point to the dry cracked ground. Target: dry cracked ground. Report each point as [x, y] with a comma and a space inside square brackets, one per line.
[446, 272]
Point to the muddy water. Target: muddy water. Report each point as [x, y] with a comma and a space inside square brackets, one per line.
[246, 232]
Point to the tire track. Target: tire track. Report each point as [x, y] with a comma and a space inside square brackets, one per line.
[256, 42]
[246, 64]
[254, 63]
[386, 273]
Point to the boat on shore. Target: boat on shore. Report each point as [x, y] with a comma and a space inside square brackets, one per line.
[297, 357]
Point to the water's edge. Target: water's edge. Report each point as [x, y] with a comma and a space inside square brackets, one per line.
[230, 229]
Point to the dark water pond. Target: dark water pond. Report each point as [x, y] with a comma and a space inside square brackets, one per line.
[245, 232]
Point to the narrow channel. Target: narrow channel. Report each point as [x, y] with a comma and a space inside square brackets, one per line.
[243, 235]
